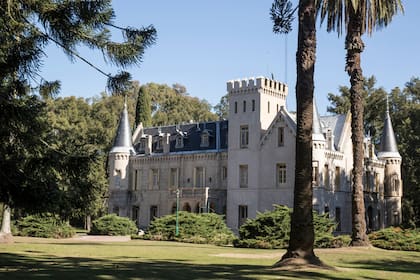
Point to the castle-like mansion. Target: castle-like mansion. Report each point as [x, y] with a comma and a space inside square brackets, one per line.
[246, 164]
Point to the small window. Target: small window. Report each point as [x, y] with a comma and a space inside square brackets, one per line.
[242, 214]
[281, 174]
[243, 176]
[159, 143]
[154, 180]
[326, 176]
[244, 106]
[280, 136]
[236, 107]
[244, 137]
[118, 178]
[204, 139]
[179, 142]
[277, 108]
[142, 145]
[338, 218]
[253, 105]
[135, 213]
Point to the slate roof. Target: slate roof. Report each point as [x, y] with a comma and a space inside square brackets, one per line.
[336, 124]
[388, 146]
[122, 141]
[191, 134]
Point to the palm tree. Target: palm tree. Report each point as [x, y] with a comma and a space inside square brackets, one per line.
[302, 229]
[359, 17]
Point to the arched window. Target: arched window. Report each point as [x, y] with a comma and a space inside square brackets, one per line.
[186, 207]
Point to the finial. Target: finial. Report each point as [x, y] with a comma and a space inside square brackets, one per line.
[125, 101]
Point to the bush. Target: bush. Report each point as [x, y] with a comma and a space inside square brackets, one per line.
[271, 230]
[395, 238]
[46, 226]
[113, 225]
[193, 228]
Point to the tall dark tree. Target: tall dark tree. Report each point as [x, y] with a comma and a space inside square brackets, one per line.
[302, 234]
[26, 28]
[143, 108]
[358, 16]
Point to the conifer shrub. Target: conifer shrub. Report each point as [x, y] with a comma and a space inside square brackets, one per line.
[395, 238]
[112, 224]
[208, 228]
[271, 229]
[45, 225]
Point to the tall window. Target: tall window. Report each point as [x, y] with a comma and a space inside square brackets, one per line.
[244, 106]
[136, 179]
[338, 218]
[173, 178]
[154, 178]
[135, 214]
[242, 214]
[243, 176]
[236, 107]
[179, 142]
[315, 173]
[326, 176]
[337, 180]
[280, 136]
[142, 145]
[253, 105]
[153, 212]
[118, 178]
[199, 177]
[244, 134]
[268, 107]
[224, 173]
[281, 173]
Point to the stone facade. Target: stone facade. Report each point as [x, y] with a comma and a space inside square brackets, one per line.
[246, 165]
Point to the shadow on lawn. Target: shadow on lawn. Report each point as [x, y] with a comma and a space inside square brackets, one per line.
[15, 266]
[390, 265]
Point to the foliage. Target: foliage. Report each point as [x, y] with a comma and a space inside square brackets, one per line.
[394, 238]
[113, 225]
[222, 108]
[143, 108]
[271, 229]
[46, 226]
[174, 105]
[206, 228]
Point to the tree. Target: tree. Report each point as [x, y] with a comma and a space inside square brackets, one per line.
[358, 16]
[302, 233]
[26, 28]
[222, 108]
[143, 108]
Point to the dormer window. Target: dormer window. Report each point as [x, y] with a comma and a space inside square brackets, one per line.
[142, 144]
[159, 143]
[179, 142]
[204, 139]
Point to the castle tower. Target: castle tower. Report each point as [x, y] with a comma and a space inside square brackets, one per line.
[253, 105]
[388, 152]
[118, 159]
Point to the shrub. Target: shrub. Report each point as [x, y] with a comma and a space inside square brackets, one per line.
[46, 226]
[395, 238]
[271, 230]
[113, 225]
[193, 228]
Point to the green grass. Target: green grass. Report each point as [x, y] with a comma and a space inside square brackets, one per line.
[31, 258]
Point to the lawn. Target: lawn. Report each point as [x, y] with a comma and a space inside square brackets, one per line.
[31, 258]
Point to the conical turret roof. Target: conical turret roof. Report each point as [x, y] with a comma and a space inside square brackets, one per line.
[122, 141]
[388, 146]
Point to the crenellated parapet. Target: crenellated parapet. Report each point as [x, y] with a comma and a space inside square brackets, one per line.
[247, 85]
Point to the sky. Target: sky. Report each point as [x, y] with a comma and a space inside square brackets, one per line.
[202, 44]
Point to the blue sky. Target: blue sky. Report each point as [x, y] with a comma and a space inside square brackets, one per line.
[203, 44]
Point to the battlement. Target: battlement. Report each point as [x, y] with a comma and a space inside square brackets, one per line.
[242, 85]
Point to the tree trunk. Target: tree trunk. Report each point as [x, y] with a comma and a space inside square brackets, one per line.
[6, 232]
[302, 234]
[355, 46]
[88, 222]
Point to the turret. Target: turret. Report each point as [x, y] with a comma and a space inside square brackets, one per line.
[388, 152]
[118, 159]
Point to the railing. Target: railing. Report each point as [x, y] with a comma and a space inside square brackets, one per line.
[188, 192]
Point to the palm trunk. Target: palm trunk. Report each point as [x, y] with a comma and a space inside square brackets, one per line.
[355, 46]
[302, 228]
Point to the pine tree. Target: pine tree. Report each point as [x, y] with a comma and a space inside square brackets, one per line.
[143, 108]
